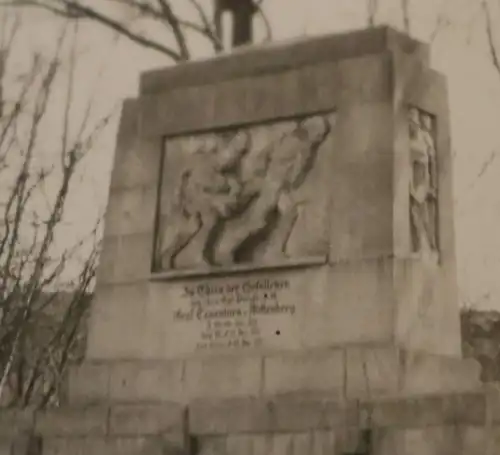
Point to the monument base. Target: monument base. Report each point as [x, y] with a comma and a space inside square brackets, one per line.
[351, 372]
[466, 423]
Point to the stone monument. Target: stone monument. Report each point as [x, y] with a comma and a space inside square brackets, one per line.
[278, 269]
[280, 221]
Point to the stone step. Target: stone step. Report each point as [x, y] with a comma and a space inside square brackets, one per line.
[151, 445]
[95, 429]
[263, 426]
[352, 372]
[119, 420]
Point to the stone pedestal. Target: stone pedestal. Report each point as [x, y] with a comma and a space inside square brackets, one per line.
[262, 234]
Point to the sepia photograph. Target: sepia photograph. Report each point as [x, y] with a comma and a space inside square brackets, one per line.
[259, 227]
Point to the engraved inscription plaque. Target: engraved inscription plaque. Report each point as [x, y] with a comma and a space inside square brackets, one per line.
[227, 315]
[243, 196]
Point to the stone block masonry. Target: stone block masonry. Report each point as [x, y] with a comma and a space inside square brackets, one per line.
[465, 424]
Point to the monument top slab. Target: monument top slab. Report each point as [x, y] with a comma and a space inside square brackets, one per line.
[277, 56]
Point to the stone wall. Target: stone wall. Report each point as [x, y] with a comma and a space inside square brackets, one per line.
[458, 424]
[347, 373]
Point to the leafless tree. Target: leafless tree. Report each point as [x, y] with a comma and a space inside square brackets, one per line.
[41, 308]
[198, 18]
[40, 325]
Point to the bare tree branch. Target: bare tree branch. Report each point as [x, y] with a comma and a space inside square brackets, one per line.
[207, 26]
[73, 9]
[372, 11]
[489, 34]
[160, 11]
[267, 24]
[173, 21]
[405, 9]
[38, 336]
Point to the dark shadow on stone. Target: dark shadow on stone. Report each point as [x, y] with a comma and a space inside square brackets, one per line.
[209, 248]
[245, 252]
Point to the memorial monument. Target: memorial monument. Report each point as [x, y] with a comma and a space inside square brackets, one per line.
[278, 268]
[282, 226]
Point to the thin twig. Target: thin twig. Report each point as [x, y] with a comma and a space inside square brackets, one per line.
[405, 9]
[74, 10]
[489, 34]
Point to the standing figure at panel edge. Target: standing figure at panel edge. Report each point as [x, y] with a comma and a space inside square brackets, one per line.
[207, 192]
[423, 183]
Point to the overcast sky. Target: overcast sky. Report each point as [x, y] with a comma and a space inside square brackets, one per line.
[459, 50]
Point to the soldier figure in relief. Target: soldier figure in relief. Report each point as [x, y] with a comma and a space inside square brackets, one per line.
[423, 184]
[229, 200]
[208, 191]
[286, 163]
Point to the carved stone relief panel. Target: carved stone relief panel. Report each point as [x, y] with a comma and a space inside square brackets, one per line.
[423, 182]
[240, 196]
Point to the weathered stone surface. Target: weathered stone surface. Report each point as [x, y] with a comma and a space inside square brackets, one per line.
[265, 97]
[357, 308]
[125, 259]
[317, 412]
[28, 444]
[131, 211]
[147, 381]
[294, 414]
[362, 183]
[352, 373]
[225, 376]
[424, 373]
[424, 410]
[321, 371]
[446, 439]
[364, 79]
[22, 444]
[73, 421]
[105, 272]
[433, 424]
[136, 160]
[88, 383]
[318, 86]
[147, 419]
[372, 371]
[238, 415]
[212, 445]
[251, 61]
[114, 308]
[133, 258]
[104, 446]
[5, 447]
[14, 422]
